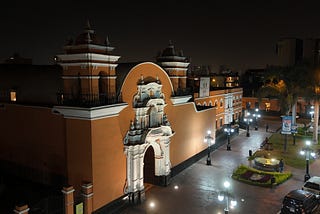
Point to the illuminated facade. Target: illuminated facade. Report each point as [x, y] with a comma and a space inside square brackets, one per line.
[111, 129]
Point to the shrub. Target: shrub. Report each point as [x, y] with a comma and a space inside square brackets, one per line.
[244, 174]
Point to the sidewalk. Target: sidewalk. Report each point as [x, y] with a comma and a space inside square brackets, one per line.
[196, 188]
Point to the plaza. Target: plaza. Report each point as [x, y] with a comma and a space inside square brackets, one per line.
[198, 186]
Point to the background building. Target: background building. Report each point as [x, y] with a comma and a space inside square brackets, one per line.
[290, 51]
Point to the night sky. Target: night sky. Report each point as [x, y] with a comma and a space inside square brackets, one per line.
[239, 34]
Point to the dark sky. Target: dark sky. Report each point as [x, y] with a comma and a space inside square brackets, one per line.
[240, 34]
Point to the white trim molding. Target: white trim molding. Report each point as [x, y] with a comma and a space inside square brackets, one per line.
[84, 64]
[88, 56]
[87, 195]
[89, 46]
[67, 192]
[81, 77]
[90, 113]
[180, 99]
[21, 212]
[175, 69]
[174, 64]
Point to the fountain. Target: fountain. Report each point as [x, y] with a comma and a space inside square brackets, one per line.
[266, 164]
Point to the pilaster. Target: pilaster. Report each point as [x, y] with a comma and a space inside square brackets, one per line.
[87, 193]
[68, 199]
[21, 209]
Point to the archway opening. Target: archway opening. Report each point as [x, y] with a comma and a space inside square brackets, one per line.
[149, 167]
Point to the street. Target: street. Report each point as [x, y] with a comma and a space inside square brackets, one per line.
[196, 189]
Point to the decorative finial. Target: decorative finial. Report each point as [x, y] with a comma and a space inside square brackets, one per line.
[88, 26]
[141, 79]
[131, 125]
[107, 42]
[88, 39]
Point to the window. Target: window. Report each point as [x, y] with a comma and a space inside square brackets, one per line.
[267, 105]
[13, 96]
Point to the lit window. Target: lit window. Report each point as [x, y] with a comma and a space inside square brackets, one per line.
[13, 96]
[267, 105]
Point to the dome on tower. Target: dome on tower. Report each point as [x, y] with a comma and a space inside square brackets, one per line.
[169, 51]
[89, 36]
[170, 54]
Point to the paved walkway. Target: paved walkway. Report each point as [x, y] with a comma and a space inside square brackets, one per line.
[197, 187]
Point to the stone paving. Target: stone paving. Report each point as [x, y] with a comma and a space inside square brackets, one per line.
[197, 187]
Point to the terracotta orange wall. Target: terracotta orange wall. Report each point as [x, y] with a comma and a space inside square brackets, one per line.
[107, 134]
[79, 152]
[33, 137]
[108, 161]
[190, 128]
[130, 89]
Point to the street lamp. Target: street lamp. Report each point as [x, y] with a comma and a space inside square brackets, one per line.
[307, 151]
[311, 114]
[228, 130]
[209, 139]
[248, 121]
[256, 116]
[226, 195]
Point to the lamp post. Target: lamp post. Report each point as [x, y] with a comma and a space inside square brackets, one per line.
[312, 116]
[307, 151]
[248, 121]
[256, 115]
[228, 130]
[226, 195]
[208, 139]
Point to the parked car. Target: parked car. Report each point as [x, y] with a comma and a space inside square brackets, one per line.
[312, 185]
[300, 201]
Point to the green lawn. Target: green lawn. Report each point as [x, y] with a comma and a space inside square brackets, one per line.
[292, 155]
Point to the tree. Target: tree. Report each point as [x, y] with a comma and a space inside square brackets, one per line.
[286, 84]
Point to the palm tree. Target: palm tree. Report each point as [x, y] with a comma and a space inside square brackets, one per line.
[275, 87]
[316, 98]
[286, 84]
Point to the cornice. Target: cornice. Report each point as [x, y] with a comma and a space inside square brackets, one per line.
[93, 113]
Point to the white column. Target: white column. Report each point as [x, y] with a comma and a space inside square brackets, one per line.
[167, 163]
[141, 166]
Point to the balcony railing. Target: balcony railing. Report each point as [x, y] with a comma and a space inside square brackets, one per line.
[87, 100]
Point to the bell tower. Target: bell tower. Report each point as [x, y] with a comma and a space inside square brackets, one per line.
[176, 65]
[89, 75]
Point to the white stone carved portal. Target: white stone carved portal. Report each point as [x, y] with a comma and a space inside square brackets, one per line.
[149, 128]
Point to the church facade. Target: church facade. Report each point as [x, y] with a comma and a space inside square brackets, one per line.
[112, 128]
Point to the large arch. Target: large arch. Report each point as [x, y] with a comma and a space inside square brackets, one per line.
[149, 166]
[159, 139]
[147, 88]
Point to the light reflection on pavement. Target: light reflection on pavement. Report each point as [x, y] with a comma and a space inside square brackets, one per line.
[200, 184]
